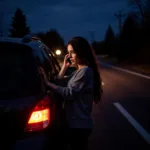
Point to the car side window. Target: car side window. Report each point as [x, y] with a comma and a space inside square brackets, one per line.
[39, 57]
[48, 65]
[54, 62]
[41, 60]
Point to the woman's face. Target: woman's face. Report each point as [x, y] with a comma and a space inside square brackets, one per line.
[72, 55]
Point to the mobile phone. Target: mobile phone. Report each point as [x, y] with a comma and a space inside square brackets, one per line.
[68, 59]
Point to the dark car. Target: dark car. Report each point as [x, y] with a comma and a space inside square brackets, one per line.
[29, 112]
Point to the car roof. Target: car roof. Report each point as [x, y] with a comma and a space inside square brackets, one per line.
[10, 39]
[34, 44]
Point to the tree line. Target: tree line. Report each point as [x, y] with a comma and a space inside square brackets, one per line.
[131, 44]
[19, 29]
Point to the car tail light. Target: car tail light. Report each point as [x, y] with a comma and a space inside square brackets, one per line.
[40, 116]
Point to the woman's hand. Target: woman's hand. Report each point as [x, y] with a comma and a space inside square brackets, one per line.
[64, 67]
[66, 64]
[49, 84]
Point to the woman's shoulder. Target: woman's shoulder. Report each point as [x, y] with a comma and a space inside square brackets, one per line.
[86, 71]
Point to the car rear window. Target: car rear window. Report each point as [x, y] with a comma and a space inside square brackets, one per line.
[18, 72]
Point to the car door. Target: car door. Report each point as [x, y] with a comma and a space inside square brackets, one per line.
[20, 89]
[51, 69]
[55, 68]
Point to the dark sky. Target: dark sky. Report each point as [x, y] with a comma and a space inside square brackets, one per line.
[69, 17]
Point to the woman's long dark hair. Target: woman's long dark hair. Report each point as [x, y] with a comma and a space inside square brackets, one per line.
[85, 53]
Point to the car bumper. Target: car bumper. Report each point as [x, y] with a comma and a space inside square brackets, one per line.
[40, 141]
[30, 143]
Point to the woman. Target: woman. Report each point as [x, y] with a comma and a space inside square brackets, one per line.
[83, 87]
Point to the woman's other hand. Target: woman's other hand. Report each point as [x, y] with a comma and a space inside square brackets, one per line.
[66, 64]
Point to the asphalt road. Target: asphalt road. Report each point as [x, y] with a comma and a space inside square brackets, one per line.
[122, 119]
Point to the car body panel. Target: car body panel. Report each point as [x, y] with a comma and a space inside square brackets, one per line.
[15, 110]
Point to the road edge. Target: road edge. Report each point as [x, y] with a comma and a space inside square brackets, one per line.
[124, 70]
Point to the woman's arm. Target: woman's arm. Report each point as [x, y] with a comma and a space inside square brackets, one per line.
[62, 72]
[77, 86]
[64, 68]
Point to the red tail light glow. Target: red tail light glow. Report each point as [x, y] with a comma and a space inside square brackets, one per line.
[40, 116]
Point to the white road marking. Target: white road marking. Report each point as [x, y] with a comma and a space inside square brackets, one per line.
[131, 72]
[134, 123]
[125, 70]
